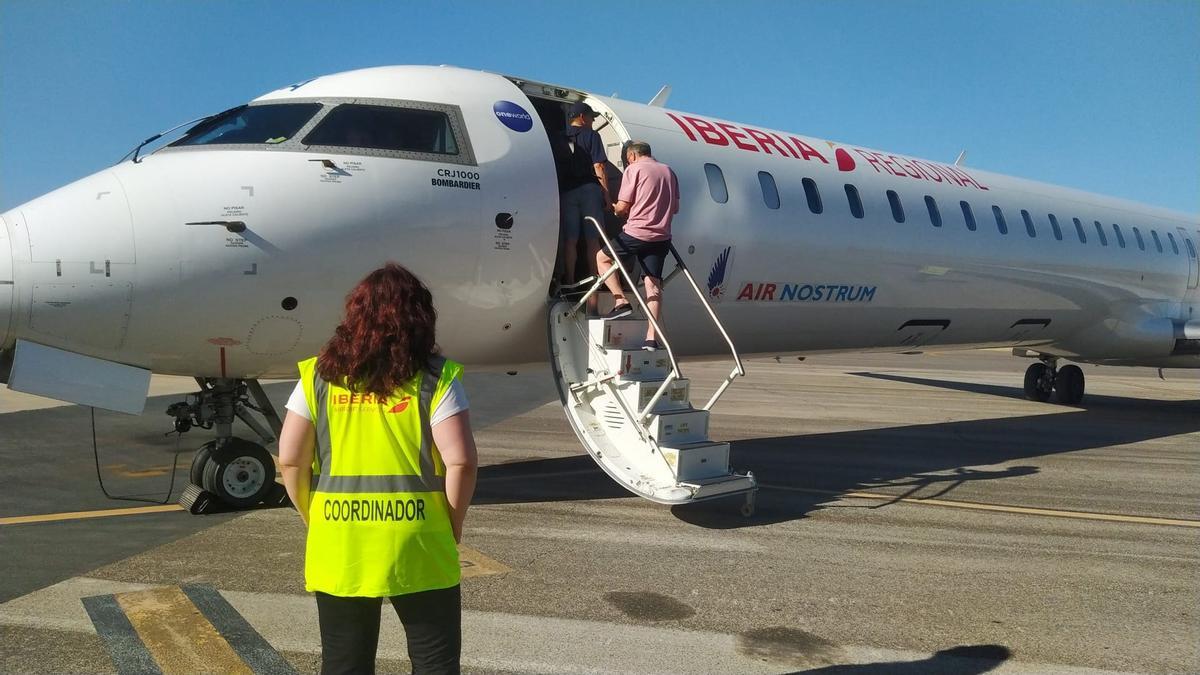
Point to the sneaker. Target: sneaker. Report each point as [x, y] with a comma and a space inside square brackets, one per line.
[651, 345]
[619, 311]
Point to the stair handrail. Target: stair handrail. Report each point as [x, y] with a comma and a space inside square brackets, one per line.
[658, 330]
[738, 369]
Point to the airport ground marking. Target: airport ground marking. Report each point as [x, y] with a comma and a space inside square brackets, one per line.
[80, 515]
[475, 564]
[125, 647]
[250, 646]
[1001, 508]
[177, 634]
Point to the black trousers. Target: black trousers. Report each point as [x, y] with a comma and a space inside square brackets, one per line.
[432, 624]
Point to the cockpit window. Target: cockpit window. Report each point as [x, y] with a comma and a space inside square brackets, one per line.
[255, 125]
[385, 128]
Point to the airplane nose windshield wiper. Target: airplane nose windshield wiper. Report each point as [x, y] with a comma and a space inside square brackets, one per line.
[157, 136]
[197, 122]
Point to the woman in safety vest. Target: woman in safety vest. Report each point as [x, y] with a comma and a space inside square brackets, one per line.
[378, 457]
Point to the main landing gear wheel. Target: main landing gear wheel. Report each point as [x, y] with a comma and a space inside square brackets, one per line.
[1068, 385]
[239, 472]
[1039, 382]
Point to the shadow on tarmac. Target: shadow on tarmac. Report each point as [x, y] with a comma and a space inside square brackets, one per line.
[813, 470]
[963, 660]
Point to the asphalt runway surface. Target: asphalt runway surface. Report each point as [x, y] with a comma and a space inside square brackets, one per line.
[916, 515]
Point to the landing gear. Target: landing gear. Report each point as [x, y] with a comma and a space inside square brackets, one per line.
[1044, 379]
[1039, 382]
[1068, 385]
[237, 472]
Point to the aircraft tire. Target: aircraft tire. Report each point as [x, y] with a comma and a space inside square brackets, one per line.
[199, 461]
[240, 473]
[1068, 385]
[1033, 383]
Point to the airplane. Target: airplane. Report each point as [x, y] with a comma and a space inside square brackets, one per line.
[225, 255]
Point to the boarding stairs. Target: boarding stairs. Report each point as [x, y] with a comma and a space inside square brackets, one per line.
[632, 408]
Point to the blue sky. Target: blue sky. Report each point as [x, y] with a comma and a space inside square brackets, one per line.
[1101, 95]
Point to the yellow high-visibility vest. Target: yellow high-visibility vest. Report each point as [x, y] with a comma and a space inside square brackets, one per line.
[379, 523]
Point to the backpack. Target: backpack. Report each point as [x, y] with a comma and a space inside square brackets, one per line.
[572, 161]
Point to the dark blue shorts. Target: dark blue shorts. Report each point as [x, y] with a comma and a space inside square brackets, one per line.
[651, 254]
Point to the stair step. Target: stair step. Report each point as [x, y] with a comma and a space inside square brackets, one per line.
[632, 364]
[678, 428]
[698, 461]
[638, 393]
[618, 333]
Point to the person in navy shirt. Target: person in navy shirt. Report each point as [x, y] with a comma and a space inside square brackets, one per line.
[583, 186]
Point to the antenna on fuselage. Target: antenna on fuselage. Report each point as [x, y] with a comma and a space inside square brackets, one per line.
[660, 99]
[962, 157]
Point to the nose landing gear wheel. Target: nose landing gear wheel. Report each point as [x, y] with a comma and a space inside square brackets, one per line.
[241, 473]
[199, 461]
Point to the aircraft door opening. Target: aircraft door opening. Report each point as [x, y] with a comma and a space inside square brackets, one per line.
[551, 105]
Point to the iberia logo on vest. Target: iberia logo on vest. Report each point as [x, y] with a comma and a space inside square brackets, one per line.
[345, 401]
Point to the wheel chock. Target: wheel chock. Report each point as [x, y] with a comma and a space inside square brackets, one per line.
[277, 497]
[198, 501]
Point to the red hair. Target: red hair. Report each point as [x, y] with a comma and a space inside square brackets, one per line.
[386, 337]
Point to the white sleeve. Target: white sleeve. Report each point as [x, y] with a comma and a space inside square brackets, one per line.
[298, 403]
[453, 402]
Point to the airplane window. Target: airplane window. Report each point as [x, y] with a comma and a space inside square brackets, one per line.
[770, 191]
[1079, 231]
[1028, 223]
[254, 124]
[716, 183]
[856, 205]
[1191, 249]
[1174, 246]
[813, 195]
[935, 216]
[897, 207]
[1054, 226]
[1120, 236]
[1137, 234]
[1100, 233]
[968, 215]
[1157, 241]
[382, 127]
[1001, 224]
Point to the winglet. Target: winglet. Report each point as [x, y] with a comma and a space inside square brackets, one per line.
[962, 157]
[660, 99]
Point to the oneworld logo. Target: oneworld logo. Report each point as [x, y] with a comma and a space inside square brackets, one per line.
[513, 116]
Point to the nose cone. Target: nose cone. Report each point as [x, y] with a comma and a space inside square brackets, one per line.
[7, 287]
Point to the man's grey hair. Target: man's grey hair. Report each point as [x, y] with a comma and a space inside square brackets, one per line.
[640, 148]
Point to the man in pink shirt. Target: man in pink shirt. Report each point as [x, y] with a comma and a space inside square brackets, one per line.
[649, 197]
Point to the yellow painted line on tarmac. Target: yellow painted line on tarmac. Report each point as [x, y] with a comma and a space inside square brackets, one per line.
[80, 515]
[1001, 508]
[475, 564]
[177, 634]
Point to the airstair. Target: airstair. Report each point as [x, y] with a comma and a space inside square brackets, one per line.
[632, 408]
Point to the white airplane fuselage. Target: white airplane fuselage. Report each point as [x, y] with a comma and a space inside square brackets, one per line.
[110, 267]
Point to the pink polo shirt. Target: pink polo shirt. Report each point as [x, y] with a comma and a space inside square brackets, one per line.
[652, 191]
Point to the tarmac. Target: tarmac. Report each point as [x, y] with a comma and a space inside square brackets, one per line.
[916, 515]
